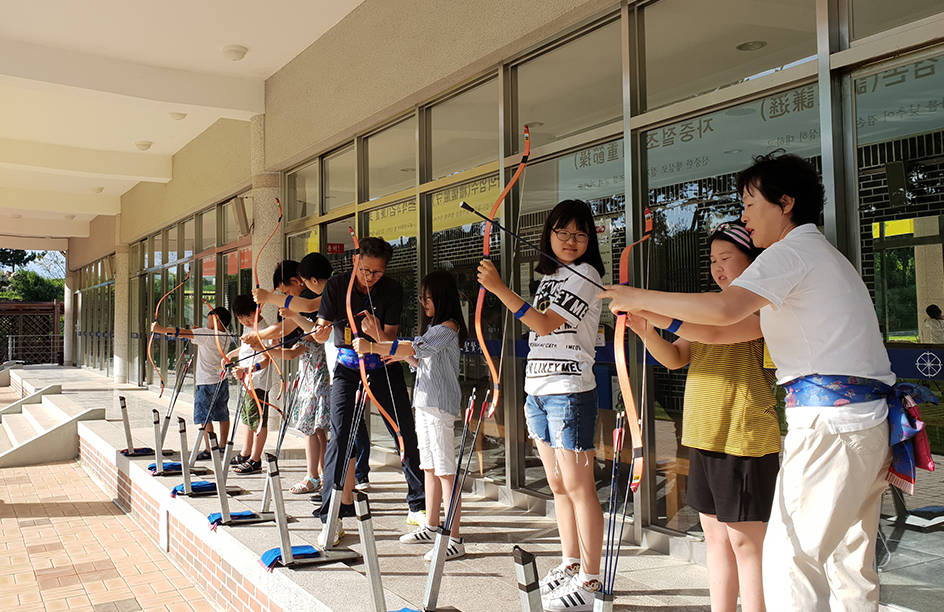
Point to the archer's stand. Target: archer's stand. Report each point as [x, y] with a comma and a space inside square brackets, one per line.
[159, 468]
[526, 570]
[602, 602]
[130, 450]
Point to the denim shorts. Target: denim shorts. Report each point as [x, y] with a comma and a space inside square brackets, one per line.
[201, 404]
[565, 421]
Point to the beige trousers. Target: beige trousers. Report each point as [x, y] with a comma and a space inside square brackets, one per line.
[819, 551]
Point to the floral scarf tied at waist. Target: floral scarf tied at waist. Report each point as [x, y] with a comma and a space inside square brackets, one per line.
[908, 439]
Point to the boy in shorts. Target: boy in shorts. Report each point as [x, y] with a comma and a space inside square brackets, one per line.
[249, 461]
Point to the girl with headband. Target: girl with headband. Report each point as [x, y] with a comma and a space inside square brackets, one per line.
[730, 428]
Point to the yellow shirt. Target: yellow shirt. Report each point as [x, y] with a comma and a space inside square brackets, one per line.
[729, 402]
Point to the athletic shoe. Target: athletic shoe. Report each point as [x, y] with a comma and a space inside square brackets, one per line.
[454, 549]
[576, 596]
[558, 576]
[420, 535]
[416, 517]
[361, 484]
[323, 536]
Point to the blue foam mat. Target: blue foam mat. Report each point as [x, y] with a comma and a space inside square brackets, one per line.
[200, 486]
[273, 556]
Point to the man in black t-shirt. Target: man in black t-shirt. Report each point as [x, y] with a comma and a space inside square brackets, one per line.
[380, 299]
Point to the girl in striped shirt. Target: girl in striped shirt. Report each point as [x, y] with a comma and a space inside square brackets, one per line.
[730, 427]
[436, 398]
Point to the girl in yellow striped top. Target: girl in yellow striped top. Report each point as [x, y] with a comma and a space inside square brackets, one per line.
[730, 427]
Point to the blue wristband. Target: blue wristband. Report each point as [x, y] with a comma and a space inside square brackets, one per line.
[393, 347]
[521, 311]
[258, 367]
[288, 300]
[176, 332]
[676, 324]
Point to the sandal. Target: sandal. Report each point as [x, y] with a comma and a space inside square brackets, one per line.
[249, 467]
[308, 485]
[239, 459]
[204, 455]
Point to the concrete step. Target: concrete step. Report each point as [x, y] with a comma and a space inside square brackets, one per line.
[43, 416]
[5, 443]
[18, 428]
[64, 406]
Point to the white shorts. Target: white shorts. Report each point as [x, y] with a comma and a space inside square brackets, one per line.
[435, 435]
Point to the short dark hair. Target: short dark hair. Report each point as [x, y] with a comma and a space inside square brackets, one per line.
[314, 265]
[933, 311]
[222, 314]
[376, 247]
[779, 174]
[243, 305]
[560, 217]
[285, 271]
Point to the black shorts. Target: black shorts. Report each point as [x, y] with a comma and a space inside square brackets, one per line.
[734, 489]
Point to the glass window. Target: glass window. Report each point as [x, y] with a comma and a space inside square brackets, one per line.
[339, 178]
[339, 244]
[188, 239]
[207, 283]
[694, 47]
[899, 170]
[170, 240]
[303, 189]
[571, 89]
[207, 222]
[464, 130]
[691, 187]
[230, 226]
[873, 16]
[304, 243]
[391, 159]
[157, 241]
[134, 258]
[248, 207]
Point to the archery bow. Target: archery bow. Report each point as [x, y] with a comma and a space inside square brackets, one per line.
[486, 254]
[622, 373]
[151, 339]
[352, 321]
[255, 321]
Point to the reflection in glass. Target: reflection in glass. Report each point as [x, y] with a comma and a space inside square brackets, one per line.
[685, 57]
[207, 222]
[303, 188]
[170, 240]
[230, 227]
[339, 247]
[339, 178]
[302, 244]
[571, 89]
[391, 159]
[873, 16]
[464, 130]
[188, 238]
[157, 240]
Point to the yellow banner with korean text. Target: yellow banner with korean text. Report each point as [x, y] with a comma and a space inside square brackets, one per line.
[393, 222]
[480, 195]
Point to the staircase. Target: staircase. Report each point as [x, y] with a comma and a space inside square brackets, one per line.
[41, 428]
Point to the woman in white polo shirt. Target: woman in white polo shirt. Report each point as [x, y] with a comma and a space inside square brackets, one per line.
[822, 333]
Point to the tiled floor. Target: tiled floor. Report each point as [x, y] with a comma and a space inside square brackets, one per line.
[69, 547]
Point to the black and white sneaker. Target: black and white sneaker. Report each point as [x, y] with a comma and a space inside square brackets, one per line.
[576, 596]
[420, 535]
[558, 576]
[454, 549]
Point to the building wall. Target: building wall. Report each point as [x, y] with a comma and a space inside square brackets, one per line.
[387, 56]
[100, 242]
[212, 167]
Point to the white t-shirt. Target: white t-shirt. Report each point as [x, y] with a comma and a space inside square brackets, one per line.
[562, 361]
[207, 371]
[245, 351]
[821, 321]
[935, 329]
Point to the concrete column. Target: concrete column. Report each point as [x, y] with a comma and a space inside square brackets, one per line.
[69, 304]
[122, 336]
[266, 187]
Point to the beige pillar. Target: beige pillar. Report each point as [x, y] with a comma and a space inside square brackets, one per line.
[266, 188]
[121, 314]
[68, 338]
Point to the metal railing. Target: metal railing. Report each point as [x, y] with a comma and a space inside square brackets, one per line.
[32, 349]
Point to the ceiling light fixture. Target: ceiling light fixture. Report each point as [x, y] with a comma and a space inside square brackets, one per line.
[733, 151]
[534, 124]
[752, 45]
[16, 215]
[178, 116]
[70, 217]
[234, 52]
[98, 189]
[407, 169]
[143, 145]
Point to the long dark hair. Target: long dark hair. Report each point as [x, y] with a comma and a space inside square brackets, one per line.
[560, 217]
[441, 287]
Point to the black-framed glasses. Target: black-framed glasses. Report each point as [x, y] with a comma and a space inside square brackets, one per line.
[564, 236]
[372, 273]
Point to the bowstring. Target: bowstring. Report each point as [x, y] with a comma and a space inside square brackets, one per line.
[501, 358]
[393, 399]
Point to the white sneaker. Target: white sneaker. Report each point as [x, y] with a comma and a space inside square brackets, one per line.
[558, 576]
[416, 517]
[576, 596]
[420, 535]
[454, 549]
[362, 484]
[323, 536]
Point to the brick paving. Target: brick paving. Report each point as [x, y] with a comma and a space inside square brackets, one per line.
[67, 546]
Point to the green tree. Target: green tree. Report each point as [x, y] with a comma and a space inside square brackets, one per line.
[15, 258]
[29, 286]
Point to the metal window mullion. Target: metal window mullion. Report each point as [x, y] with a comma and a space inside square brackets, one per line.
[832, 139]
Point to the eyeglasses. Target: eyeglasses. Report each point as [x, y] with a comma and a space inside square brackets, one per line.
[422, 299]
[372, 273]
[564, 236]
